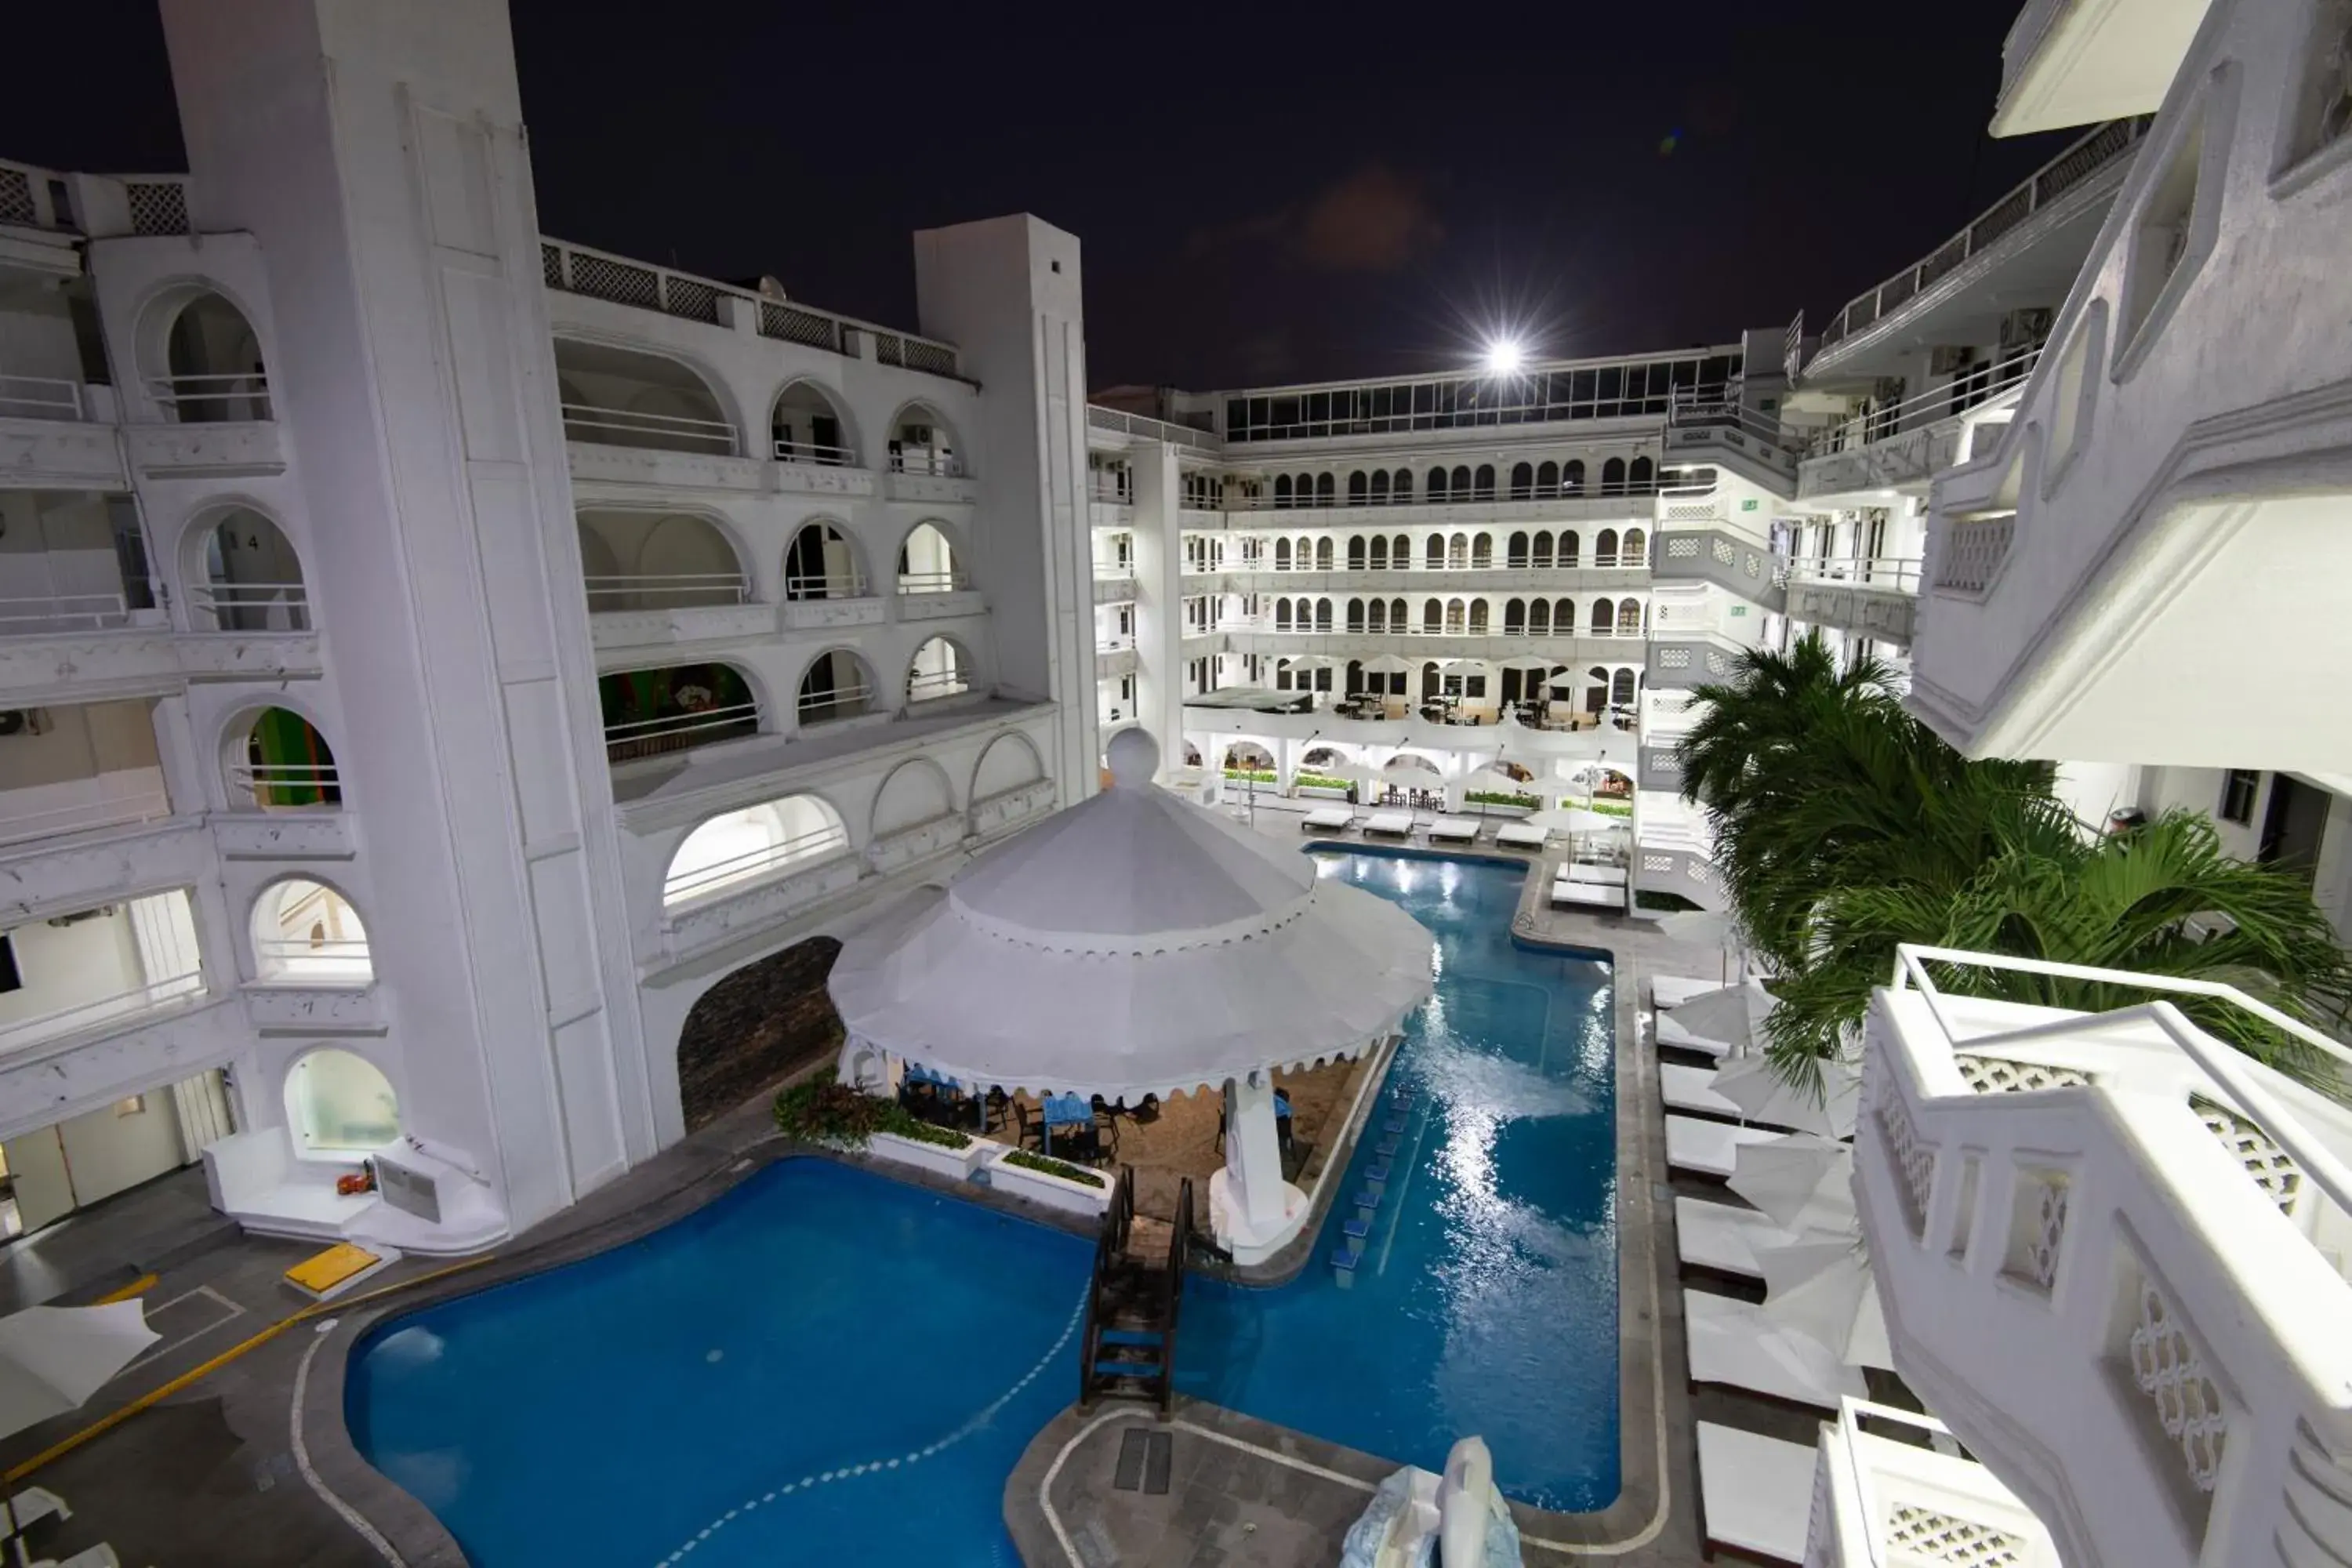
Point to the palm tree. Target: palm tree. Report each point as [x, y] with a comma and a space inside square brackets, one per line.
[1844, 826]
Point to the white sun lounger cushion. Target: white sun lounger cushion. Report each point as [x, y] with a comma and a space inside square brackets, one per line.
[1691, 1088]
[1396, 822]
[1725, 1238]
[1732, 1343]
[1755, 1493]
[1590, 893]
[1709, 1148]
[1454, 829]
[1673, 990]
[1592, 872]
[1327, 817]
[1670, 1032]
[1520, 836]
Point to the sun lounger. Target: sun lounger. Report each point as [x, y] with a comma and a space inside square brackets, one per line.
[1671, 1035]
[1389, 824]
[32, 1503]
[1688, 1088]
[1673, 990]
[1454, 830]
[1754, 1493]
[1709, 1148]
[1732, 1343]
[1326, 819]
[1520, 835]
[1604, 873]
[1725, 1238]
[1569, 893]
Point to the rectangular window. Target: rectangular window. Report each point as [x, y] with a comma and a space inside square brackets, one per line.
[9, 979]
[2239, 787]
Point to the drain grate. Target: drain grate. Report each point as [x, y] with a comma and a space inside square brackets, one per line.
[1144, 1459]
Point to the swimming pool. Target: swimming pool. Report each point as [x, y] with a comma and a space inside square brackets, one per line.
[822, 1365]
[825, 1364]
[1486, 1299]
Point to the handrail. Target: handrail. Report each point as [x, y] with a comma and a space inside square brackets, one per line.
[840, 703]
[1872, 426]
[2086, 156]
[935, 465]
[592, 420]
[1103, 418]
[1179, 1248]
[927, 686]
[96, 613]
[830, 585]
[30, 1031]
[1900, 573]
[733, 584]
[41, 397]
[2222, 1064]
[111, 810]
[177, 392]
[681, 886]
[1599, 561]
[814, 452]
[932, 582]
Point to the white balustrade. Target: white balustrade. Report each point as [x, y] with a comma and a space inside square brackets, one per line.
[41, 397]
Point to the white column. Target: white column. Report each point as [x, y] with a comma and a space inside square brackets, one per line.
[1254, 1155]
[1159, 599]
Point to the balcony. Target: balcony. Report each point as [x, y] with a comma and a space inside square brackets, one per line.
[1149, 429]
[1114, 582]
[58, 435]
[100, 969]
[2111, 1250]
[1904, 446]
[1877, 597]
[1880, 1500]
[931, 480]
[2065, 64]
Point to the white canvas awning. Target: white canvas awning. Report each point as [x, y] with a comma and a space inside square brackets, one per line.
[1134, 944]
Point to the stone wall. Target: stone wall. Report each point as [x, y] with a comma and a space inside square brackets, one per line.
[755, 1026]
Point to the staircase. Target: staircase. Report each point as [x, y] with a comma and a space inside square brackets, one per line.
[2112, 1252]
[1880, 1501]
[1128, 1350]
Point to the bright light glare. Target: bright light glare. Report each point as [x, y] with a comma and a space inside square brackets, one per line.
[1503, 355]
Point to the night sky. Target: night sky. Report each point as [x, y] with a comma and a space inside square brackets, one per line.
[1262, 196]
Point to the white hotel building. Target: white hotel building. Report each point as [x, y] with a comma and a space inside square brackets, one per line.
[450, 673]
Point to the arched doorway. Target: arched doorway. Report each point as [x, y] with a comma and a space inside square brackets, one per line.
[754, 1028]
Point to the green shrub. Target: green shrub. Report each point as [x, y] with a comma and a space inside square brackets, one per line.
[821, 1109]
[1062, 1168]
[1614, 807]
[1316, 781]
[1242, 775]
[1491, 797]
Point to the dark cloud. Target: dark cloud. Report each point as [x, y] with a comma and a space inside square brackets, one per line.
[1373, 220]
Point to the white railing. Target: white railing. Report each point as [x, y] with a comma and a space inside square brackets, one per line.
[925, 686]
[678, 731]
[1898, 573]
[1104, 487]
[814, 452]
[1154, 429]
[936, 465]
[1499, 494]
[56, 613]
[284, 956]
[80, 816]
[220, 397]
[668, 432]
[831, 586]
[1114, 571]
[260, 779]
[753, 864]
[1118, 644]
[848, 701]
[1699, 407]
[41, 397]
[932, 582]
[23, 1032]
[1951, 400]
[685, 589]
[2077, 164]
[1599, 561]
[231, 605]
[600, 275]
[1893, 1504]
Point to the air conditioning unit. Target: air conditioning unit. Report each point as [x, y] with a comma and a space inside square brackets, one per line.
[25, 721]
[1949, 359]
[411, 1181]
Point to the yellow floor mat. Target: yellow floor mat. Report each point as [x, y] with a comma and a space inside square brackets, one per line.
[338, 1264]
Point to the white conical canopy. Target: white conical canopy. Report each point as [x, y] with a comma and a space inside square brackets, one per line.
[1134, 944]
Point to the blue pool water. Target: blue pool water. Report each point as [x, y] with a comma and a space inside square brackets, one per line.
[1486, 1300]
[825, 1364]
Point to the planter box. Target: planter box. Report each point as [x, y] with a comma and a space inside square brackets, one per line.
[1320, 792]
[1484, 808]
[1045, 1187]
[958, 1164]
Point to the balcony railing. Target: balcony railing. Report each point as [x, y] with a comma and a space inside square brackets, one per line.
[1496, 495]
[80, 816]
[23, 1032]
[265, 782]
[932, 582]
[753, 865]
[214, 398]
[63, 613]
[2077, 164]
[1899, 574]
[814, 452]
[936, 465]
[929, 685]
[1117, 493]
[682, 589]
[1154, 429]
[1118, 642]
[328, 960]
[41, 396]
[576, 269]
[1955, 398]
[672, 432]
[831, 586]
[1599, 561]
[823, 707]
[678, 731]
[1340, 629]
[253, 606]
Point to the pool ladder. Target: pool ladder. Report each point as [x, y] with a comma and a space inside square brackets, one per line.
[1128, 1350]
[1393, 1121]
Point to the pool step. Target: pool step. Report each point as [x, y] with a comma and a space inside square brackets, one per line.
[1129, 1349]
[1395, 1117]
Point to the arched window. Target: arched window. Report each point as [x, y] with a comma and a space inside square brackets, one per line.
[922, 443]
[1523, 481]
[1432, 552]
[1453, 615]
[306, 933]
[1515, 551]
[1377, 558]
[1547, 479]
[927, 563]
[620, 397]
[1323, 553]
[1359, 490]
[1569, 546]
[1542, 546]
[1635, 550]
[1322, 615]
[1483, 486]
[805, 426]
[1629, 618]
[1538, 618]
[939, 670]
[756, 844]
[1401, 489]
[339, 1103]
[281, 763]
[1282, 491]
[1515, 617]
[650, 712]
[1571, 478]
[1432, 617]
[1604, 548]
[1621, 689]
[1282, 615]
[1563, 617]
[1481, 551]
[1355, 614]
[822, 563]
[647, 560]
[1612, 476]
[1596, 689]
[1604, 618]
[213, 373]
[1397, 616]
[1438, 489]
[1478, 618]
[1643, 476]
[835, 686]
[1376, 616]
[1457, 551]
[1460, 488]
[1282, 555]
[1380, 487]
[251, 580]
[1355, 552]
[1325, 490]
[1399, 553]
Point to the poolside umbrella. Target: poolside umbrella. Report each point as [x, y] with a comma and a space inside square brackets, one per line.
[1823, 1289]
[1701, 927]
[1490, 779]
[1802, 1182]
[1411, 772]
[1755, 1085]
[1386, 664]
[1526, 661]
[1313, 661]
[1575, 819]
[1565, 680]
[1734, 1015]
[52, 1359]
